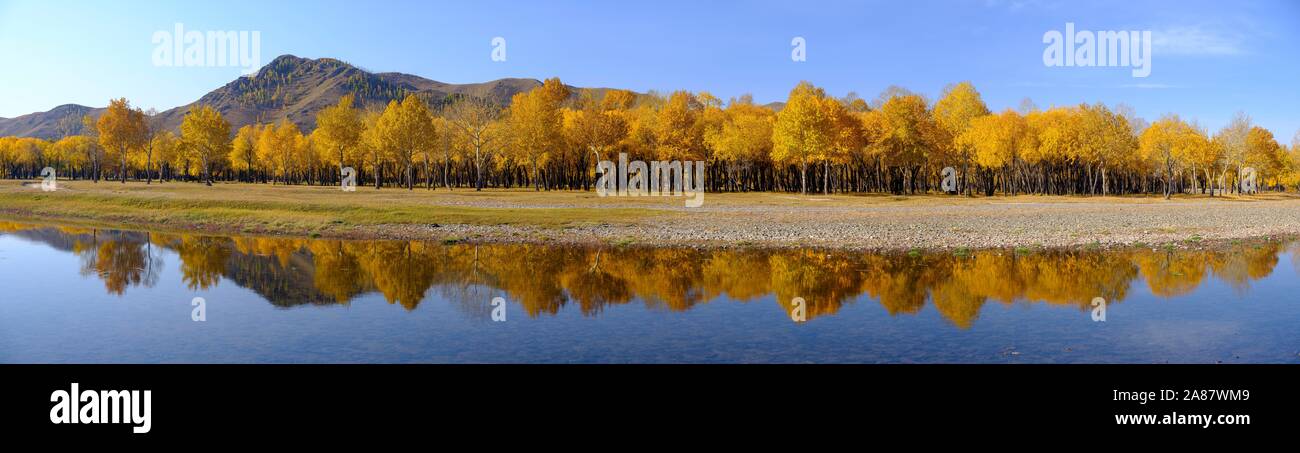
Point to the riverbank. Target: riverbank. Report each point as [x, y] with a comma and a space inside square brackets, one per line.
[874, 222]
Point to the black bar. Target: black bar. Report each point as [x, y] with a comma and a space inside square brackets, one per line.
[248, 401]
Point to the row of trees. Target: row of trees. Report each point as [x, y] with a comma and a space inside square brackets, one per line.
[552, 138]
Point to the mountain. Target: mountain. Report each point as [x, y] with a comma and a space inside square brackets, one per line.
[294, 88]
[44, 124]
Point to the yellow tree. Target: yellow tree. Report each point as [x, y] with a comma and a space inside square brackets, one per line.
[6, 154]
[279, 148]
[475, 122]
[244, 150]
[166, 146]
[536, 126]
[957, 107]
[339, 128]
[372, 145]
[405, 131]
[206, 135]
[1058, 133]
[1202, 154]
[1162, 142]
[1263, 153]
[995, 141]
[1231, 140]
[68, 148]
[1291, 175]
[802, 131]
[847, 137]
[744, 139]
[95, 152]
[678, 130]
[1106, 139]
[910, 136]
[122, 130]
[595, 129]
[445, 145]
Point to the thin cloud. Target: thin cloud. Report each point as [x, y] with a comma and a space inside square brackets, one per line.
[1017, 5]
[1148, 86]
[1195, 41]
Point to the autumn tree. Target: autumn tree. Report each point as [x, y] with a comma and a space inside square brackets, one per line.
[475, 121]
[996, 141]
[1231, 140]
[206, 135]
[280, 148]
[1162, 142]
[743, 140]
[166, 145]
[536, 125]
[956, 108]
[122, 130]
[1263, 153]
[802, 132]
[339, 127]
[910, 136]
[597, 128]
[405, 130]
[244, 150]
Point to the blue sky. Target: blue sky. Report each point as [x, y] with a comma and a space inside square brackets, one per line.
[1210, 58]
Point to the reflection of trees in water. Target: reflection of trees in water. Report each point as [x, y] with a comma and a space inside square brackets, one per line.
[471, 286]
[543, 279]
[1295, 257]
[120, 259]
[1245, 264]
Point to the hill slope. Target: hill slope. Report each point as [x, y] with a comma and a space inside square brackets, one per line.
[289, 87]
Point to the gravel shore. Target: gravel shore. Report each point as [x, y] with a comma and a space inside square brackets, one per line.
[866, 222]
[974, 226]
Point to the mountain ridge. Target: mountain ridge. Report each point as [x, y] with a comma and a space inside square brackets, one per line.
[289, 87]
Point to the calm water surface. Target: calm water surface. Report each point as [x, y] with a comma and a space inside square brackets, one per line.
[73, 294]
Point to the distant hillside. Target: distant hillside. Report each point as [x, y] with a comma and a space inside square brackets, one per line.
[290, 87]
[44, 124]
[297, 88]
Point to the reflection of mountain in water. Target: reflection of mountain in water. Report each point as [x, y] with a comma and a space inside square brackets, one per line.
[282, 285]
[545, 279]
